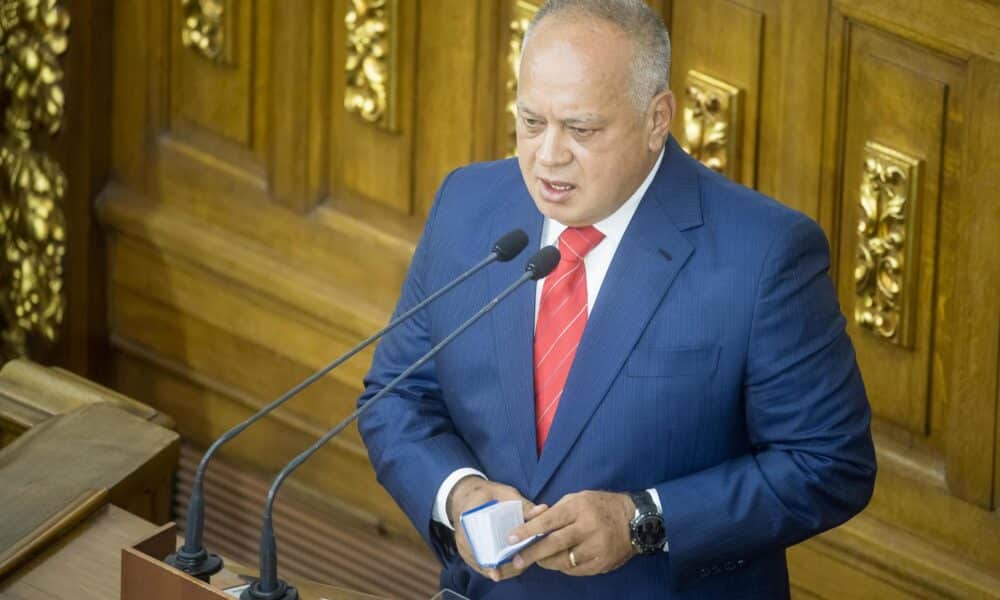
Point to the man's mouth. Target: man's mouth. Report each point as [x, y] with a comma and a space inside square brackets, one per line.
[554, 190]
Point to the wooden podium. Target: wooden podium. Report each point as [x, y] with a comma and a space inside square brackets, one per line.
[73, 457]
[111, 553]
[144, 576]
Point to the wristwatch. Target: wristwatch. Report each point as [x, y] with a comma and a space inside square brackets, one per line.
[648, 533]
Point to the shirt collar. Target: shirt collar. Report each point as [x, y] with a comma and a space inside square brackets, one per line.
[614, 225]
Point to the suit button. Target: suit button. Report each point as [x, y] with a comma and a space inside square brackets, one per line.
[716, 569]
[730, 565]
[704, 572]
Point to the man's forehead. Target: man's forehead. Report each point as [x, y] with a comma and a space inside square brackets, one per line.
[586, 94]
[567, 55]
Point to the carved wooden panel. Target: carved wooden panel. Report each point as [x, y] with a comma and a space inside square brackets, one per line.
[898, 101]
[911, 98]
[765, 59]
[366, 161]
[733, 61]
[212, 62]
[450, 133]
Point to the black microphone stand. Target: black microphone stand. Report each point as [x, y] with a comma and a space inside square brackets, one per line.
[269, 586]
[192, 557]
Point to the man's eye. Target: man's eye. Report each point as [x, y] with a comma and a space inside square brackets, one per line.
[532, 122]
[580, 132]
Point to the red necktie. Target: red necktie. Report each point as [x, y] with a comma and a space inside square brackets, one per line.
[562, 317]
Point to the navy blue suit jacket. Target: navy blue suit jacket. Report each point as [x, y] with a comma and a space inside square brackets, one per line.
[714, 367]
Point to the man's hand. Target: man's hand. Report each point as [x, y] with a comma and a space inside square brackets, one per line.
[593, 526]
[471, 492]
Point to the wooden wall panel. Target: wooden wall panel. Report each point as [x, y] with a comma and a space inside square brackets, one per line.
[904, 79]
[773, 52]
[297, 118]
[367, 161]
[339, 249]
[926, 113]
[904, 99]
[176, 284]
[87, 120]
[975, 319]
[215, 95]
[447, 94]
[737, 61]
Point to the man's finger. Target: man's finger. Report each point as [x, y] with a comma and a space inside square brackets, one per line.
[506, 571]
[546, 521]
[580, 562]
[556, 542]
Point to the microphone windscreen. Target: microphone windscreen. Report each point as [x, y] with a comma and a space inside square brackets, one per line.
[543, 262]
[510, 245]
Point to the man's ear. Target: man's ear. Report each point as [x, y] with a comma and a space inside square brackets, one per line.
[663, 107]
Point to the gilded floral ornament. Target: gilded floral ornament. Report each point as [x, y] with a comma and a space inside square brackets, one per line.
[888, 190]
[369, 65]
[207, 28]
[32, 185]
[712, 120]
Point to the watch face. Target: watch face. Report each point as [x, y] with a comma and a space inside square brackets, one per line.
[648, 532]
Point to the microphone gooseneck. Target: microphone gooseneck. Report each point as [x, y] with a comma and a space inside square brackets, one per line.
[192, 558]
[269, 586]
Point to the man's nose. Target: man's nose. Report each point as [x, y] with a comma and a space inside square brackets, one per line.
[553, 150]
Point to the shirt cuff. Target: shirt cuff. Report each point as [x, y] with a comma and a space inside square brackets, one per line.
[659, 508]
[440, 513]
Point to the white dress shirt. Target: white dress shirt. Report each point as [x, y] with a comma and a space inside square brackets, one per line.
[596, 264]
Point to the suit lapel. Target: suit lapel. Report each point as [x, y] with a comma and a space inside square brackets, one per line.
[648, 259]
[514, 326]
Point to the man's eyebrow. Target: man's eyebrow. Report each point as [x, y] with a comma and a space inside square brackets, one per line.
[524, 109]
[583, 120]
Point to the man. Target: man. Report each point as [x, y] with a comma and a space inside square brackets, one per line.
[676, 404]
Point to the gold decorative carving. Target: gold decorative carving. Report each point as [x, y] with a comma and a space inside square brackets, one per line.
[523, 13]
[371, 56]
[208, 29]
[884, 265]
[712, 123]
[32, 185]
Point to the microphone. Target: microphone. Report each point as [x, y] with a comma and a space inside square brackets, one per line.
[192, 558]
[269, 586]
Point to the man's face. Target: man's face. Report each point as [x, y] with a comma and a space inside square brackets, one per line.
[582, 145]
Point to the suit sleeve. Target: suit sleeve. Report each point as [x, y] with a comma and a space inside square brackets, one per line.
[812, 463]
[410, 438]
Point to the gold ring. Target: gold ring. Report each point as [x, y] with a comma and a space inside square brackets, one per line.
[572, 559]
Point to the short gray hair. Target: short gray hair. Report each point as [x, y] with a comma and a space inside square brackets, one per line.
[645, 28]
